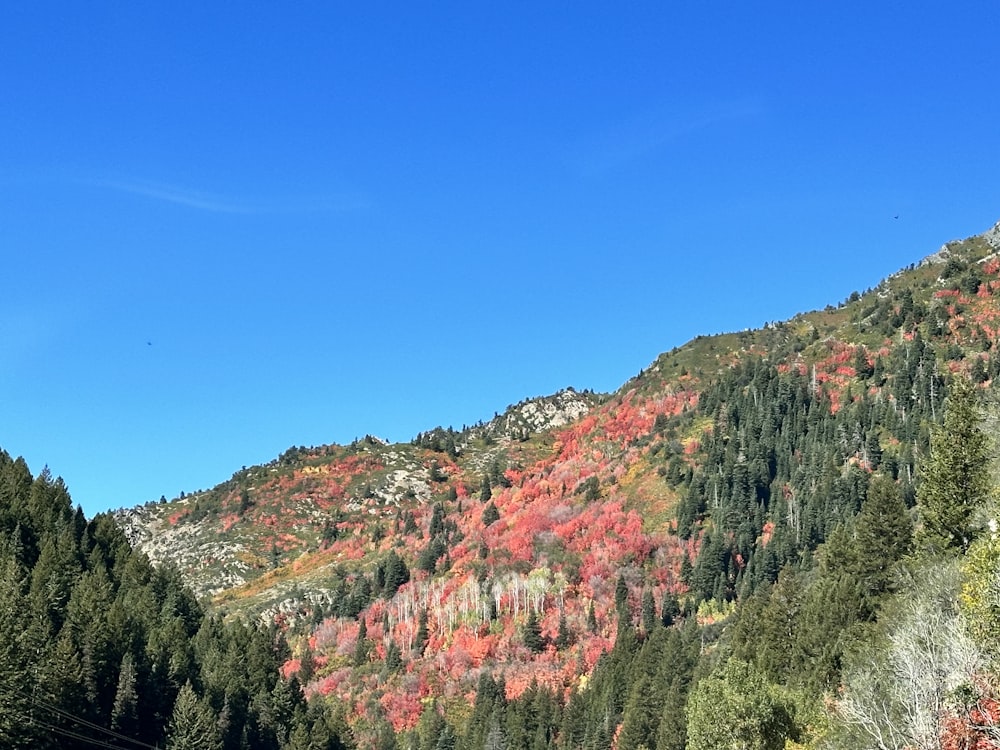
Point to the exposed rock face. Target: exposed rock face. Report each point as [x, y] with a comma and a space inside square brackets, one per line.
[208, 563]
[539, 414]
[562, 409]
[992, 236]
[218, 545]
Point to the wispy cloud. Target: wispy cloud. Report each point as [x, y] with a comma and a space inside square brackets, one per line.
[228, 204]
[645, 134]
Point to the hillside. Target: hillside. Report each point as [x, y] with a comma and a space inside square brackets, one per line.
[410, 576]
[101, 649]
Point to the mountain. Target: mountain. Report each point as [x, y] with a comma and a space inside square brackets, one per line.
[543, 552]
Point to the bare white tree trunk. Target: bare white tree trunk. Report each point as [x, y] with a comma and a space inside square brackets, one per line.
[899, 697]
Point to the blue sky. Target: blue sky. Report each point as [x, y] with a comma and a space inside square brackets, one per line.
[226, 230]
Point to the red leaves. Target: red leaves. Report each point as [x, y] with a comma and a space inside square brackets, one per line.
[947, 293]
[403, 707]
[557, 547]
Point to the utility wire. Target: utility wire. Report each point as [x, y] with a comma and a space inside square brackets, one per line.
[63, 714]
[61, 731]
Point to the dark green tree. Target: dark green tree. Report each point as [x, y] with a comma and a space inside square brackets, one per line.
[670, 608]
[532, 634]
[16, 673]
[884, 533]
[490, 514]
[362, 646]
[125, 711]
[564, 638]
[649, 618]
[307, 663]
[644, 702]
[395, 575]
[621, 596]
[955, 476]
[193, 724]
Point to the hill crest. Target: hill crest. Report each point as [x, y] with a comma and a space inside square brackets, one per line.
[723, 460]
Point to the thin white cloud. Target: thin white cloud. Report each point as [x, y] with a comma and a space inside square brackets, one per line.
[227, 204]
[645, 134]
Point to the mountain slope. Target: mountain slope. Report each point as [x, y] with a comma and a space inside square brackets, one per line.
[520, 547]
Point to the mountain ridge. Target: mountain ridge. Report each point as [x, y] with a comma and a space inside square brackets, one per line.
[526, 543]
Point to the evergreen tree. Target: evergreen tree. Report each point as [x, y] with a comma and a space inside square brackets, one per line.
[396, 574]
[447, 739]
[300, 738]
[429, 727]
[393, 658]
[671, 734]
[649, 618]
[532, 634]
[490, 514]
[670, 609]
[564, 638]
[362, 645]
[420, 640]
[193, 724]
[574, 722]
[15, 674]
[307, 663]
[955, 476]
[621, 596]
[125, 711]
[884, 533]
[643, 705]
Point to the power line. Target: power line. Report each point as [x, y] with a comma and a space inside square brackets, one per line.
[66, 715]
[63, 732]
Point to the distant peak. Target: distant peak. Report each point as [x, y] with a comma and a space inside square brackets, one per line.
[992, 236]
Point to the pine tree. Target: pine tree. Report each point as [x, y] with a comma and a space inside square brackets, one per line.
[300, 738]
[124, 712]
[649, 618]
[643, 706]
[533, 639]
[671, 608]
[955, 476]
[429, 727]
[884, 533]
[564, 637]
[621, 596]
[672, 731]
[361, 646]
[490, 514]
[193, 725]
[395, 575]
[15, 675]
[307, 664]
[447, 739]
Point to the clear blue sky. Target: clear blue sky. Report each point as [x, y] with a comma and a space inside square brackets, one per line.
[229, 228]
